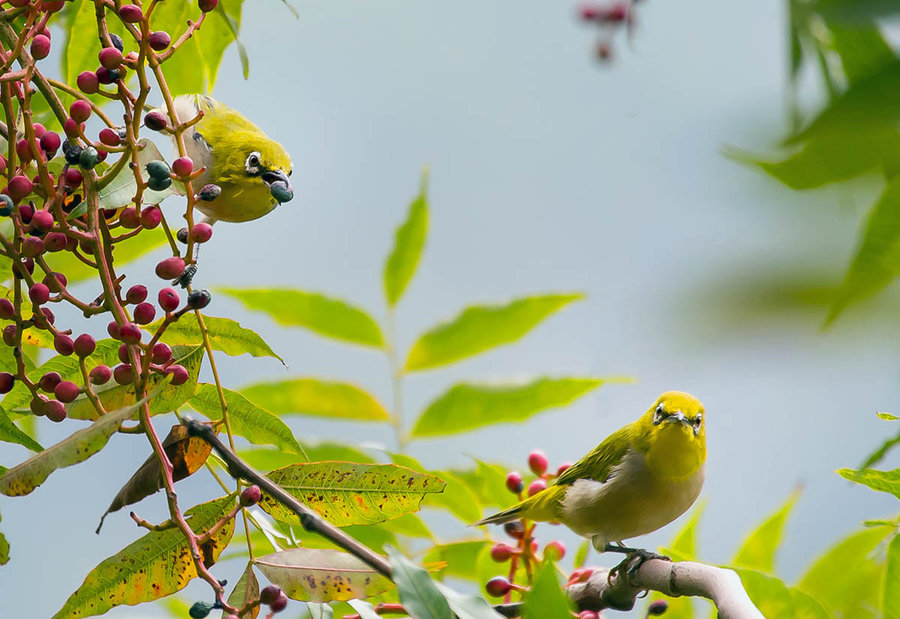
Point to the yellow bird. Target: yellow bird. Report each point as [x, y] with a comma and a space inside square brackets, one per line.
[641, 478]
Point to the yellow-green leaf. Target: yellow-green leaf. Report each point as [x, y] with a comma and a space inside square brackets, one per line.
[78, 447]
[682, 548]
[311, 396]
[418, 592]
[409, 241]
[467, 406]
[891, 596]
[225, 335]
[456, 498]
[757, 552]
[271, 459]
[326, 316]
[322, 575]
[347, 493]
[10, 433]
[121, 189]
[883, 481]
[459, 559]
[776, 600]
[482, 327]
[156, 565]
[255, 424]
[4, 549]
[546, 600]
[246, 589]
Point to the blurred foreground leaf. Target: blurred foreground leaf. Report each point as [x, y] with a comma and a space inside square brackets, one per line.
[546, 600]
[418, 592]
[312, 396]
[408, 244]
[757, 552]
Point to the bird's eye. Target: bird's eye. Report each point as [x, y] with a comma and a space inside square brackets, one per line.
[252, 164]
[658, 415]
[697, 422]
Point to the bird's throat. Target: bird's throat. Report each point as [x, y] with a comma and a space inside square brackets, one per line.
[676, 454]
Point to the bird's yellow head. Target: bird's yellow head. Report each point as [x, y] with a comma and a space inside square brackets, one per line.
[673, 434]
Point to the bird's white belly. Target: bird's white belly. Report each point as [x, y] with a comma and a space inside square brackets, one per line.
[631, 502]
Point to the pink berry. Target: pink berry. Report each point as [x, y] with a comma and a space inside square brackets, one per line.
[588, 614]
[129, 218]
[66, 391]
[72, 129]
[201, 232]
[498, 586]
[123, 374]
[562, 468]
[536, 486]
[39, 130]
[269, 594]
[110, 137]
[49, 381]
[39, 293]
[144, 313]
[159, 40]
[150, 217]
[130, 13]
[55, 281]
[207, 5]
[113, 329]
[514, 482]
[100, 375]
[7, 381]
[44, 319]
[42, 220]
[63, 344]
[182, 166]
[136, 294]
[80, 110]
[32, 246]
[73, 177]
[124, 355]
[55, 410]
[170, 268]
[250, 496]
[555, 550]
[26, 212]
[7, 310]
[110, 57]
[19, 187]
[50, 142]
[537, 462]
[179, 374]
[85, 345]
[87, 82]
[23, 150]
[502, 553]
[161, 353]
[130, 333]
[40, 47]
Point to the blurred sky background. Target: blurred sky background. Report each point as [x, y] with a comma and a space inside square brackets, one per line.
[549, 172]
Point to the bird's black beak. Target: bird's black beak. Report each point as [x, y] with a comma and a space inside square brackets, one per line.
[678, 416]
[279, 185]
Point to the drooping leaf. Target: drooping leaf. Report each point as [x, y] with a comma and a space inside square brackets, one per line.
[883, 481]
[312, 396]
[156, 565]
[419, 594]
[246, 589]
[4, 549]
[121, 190]
[757, 552]
[270, 459]
[80, 51]
[10, 433]
[186, 453]
[254, 423]
[321, 575]
[482, 327]
[347, 493]
[467, 606]
[546, 600]
[488, 482]
[891, 596]
[78, 447]
[323, 315]
[458, 559]
[467, 406]
[170, 398]
[364, 609]
[227, 30]
[225, 335]
[409, 241]
[775, 600]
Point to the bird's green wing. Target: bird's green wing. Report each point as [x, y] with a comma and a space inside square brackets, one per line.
[597, 464]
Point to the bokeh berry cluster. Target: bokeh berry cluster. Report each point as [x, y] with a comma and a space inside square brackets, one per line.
[608, 19]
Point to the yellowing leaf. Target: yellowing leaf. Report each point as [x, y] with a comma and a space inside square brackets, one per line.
[891, 597]
[468, 406]
[883, 481]
[482, 327]
[225, 334]
[245, 590]
[156, 565]
[346, 493]
[255, 424]
[311, 396]
[323, 315]
[322, 575]
[408, 244]
[757, 552]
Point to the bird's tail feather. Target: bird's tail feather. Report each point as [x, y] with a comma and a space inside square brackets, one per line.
[542, 506]
[507, 515]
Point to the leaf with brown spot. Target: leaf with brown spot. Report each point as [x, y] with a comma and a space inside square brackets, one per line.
[246, 590]
[322, 575]
[346, 493]
[186, 453]
[156, 565]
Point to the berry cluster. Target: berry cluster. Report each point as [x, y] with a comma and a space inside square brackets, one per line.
[608, 19]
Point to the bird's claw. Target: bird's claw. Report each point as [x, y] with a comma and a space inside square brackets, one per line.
[187, 276]
[634, 558]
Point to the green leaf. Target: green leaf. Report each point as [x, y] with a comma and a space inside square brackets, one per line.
[230, 12]
[684, 545]
[774, 599]
[347, 493]
[324, 315]
[321, 575]
[311, 396]
[270, 459]
[10, 433]
[81, 47]
[255, 424]
[409, 241]
[847, 577]
[757, 552]
[120, 191]
[467, 406]
[364, 609]
[878, 455]
[458, 559]
[156, 565]
[418, 592]
[467, 606]
[245, 590]
[891, 606]
[887, 416]
[4, 549]
[456, 498]
[78, 447]
[482, 327]
[883, 481]
[488, 482]
[225, 335]
[169, 398]
[124, 252]
[546, 600]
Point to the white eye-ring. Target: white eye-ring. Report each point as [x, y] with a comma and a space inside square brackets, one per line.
[697, 422]
[658, 415]
[252, 164]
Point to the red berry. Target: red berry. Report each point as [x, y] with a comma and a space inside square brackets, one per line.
[207, 5]
[49, 381]
[39, 130]
[182, 166]
[123, 374]
[42, 221]
[113, 329]
[159, 40]
[55, 410]
[555, 550]
[537, 462]
[250, 496]
[66, 391]
[7, 310]
[169, 268]
[281, 603]
[136, 294]
[536, 486]
[32, 246]
[19, 187]
[72, 129]
[502, 553]
[514, 482]
[100, 375]
[130, 333]
[26, 212]
[87, 82]
[155, 121]
[39, 293]
[38, 405]
[105, 76]
[73, 177]
[50, 142]
[161, 353]
[55, 241]
[588, 614]
[201, 232]
[110, 57]
[110, 137]
[101, 154]
[19, 3]
[498, 586]
[52, 6]
[23, 150]
[40, 47]
[55, 281]
[269, 594]
[7, 381]
[129, 218]
[150, 217]
[562, 468]
[85, 345]
[63, 344]
[80, 110]
[44, 319]
[9, 335]
[124, 356]
[144, 313]
[168, 299]
[130, 13]
[179, 374]
[515, 529]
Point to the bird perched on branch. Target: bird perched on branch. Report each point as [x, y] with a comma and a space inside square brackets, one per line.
[641, 478]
